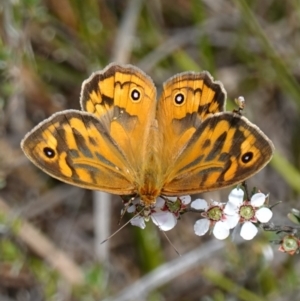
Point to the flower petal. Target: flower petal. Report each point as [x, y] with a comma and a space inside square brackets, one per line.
[232, 220]
[213, 203]
[258, 199]
[201, 226]
[172, 198]
[221, 230]
[231, 208]
[136, 201]
[199, 204]
[264, 214]
[165, 220]
[138, 221]
[236, 196]
[160, 203]
[131, 209]
[248, 231]
[186, 199]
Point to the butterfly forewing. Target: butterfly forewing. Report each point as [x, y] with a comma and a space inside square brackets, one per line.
[75, 147]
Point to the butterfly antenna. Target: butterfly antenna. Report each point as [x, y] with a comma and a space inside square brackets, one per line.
[127, 204]
[172, 245]
[168, 239]
[109, 237]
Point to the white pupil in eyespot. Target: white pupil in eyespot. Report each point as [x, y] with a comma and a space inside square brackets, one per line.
[247, 157]
[179, 98]
[49, 152]
[135, 94]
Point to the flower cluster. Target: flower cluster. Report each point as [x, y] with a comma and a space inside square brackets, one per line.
[220, 218]
[224, 217]
[164, 214]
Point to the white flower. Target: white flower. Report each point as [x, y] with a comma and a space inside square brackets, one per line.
[138, 221]
[164, 214]
[214, 217]
[165, 220]
[248, 212]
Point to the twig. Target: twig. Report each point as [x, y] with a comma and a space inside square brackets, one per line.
[50, 199]
[42, 246]
[124, 41]
[121, 54]
[184, 37]
[167, 272]
[102, 213]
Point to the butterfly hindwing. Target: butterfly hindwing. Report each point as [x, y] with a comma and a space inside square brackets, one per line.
[225, 150]
[124, 98]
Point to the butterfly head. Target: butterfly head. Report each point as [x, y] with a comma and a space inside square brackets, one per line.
[148, 197]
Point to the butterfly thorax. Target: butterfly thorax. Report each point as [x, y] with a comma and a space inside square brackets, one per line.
[149, 191]
[151, 185]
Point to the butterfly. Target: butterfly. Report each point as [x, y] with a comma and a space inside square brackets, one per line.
[125, 142]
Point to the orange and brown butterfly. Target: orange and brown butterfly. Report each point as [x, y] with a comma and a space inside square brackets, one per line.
[126, 142]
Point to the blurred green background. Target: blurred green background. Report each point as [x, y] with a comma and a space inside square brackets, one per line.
[50, 232]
